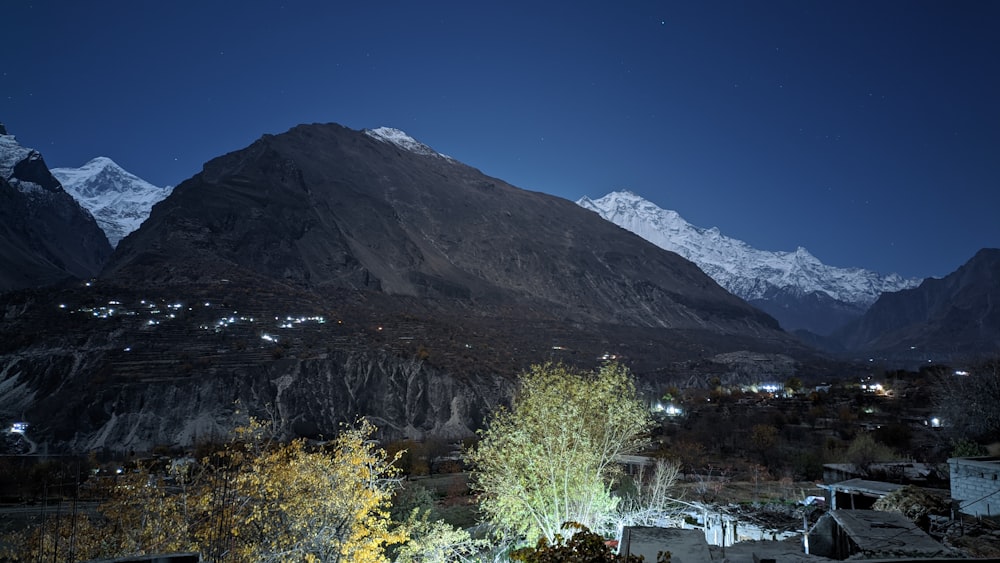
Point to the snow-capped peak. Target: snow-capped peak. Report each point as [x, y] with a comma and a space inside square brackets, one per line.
[24, 168]
[403, 141]
[11, 152]
[119, 200]
[745, 271]
[101, 175]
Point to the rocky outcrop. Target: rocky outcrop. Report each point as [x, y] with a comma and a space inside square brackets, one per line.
[306, 397]
[45, 236]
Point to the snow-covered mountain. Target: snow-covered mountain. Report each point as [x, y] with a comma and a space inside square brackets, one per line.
[119, 200]
[403, 141]
[794, 287]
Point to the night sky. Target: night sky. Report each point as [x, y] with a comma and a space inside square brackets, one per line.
[867, 132]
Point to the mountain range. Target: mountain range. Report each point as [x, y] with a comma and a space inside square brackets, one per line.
[381, 212]
[120, 201]
[326, 273]
[794, 287]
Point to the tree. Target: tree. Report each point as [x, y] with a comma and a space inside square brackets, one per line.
[551, 458]
[763, 437]
[969, 402]
[794, 384]
[865, 450]
[288, 501]
[437, 542]
[138, 517]
[257, 500]
[651, 500]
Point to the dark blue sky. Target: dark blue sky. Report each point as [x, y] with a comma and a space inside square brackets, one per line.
[867, 132]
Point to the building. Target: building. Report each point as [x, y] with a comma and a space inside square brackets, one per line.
[857, 493]
[975, 485]
[872, 534]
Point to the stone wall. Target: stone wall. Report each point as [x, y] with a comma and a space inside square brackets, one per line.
[975, 485]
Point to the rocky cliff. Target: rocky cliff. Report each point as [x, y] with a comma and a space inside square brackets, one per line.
[45, 236]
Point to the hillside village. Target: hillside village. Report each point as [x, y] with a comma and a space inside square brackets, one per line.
[774, 470]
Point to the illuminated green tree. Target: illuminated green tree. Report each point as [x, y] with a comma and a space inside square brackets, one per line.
[551, 458]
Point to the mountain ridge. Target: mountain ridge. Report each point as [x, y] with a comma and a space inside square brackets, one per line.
[773, 280]
[953, 318]
[326, 273]
[47, 235]
[371, 214]
[119, 200]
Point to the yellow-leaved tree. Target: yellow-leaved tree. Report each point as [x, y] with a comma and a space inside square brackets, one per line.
[552, 458]
[257, 500]
[293, 502]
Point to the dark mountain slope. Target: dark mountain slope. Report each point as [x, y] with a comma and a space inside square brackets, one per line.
[324, 206]
[45, 236]
[324, 274]
[953, 318]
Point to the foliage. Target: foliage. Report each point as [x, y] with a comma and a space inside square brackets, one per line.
[138, 517]
[583, 547]
[794, 384]
[967, 448]
[688, 453]
[437, 542]
[552, 457]
[652, 500]
[763, 437]
[865, 450]
[257, 500]
[412, 496]
[287, 501]
[970, 404]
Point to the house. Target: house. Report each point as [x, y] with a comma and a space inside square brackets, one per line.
[872, 534]
[906, 472]
[685, 546]
[975, 485]
[857, 494]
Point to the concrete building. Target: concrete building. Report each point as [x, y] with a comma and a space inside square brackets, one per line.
[872, 534]
[857, 494]
[975, 485]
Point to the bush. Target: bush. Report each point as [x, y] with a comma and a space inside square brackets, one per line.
[583, 547]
